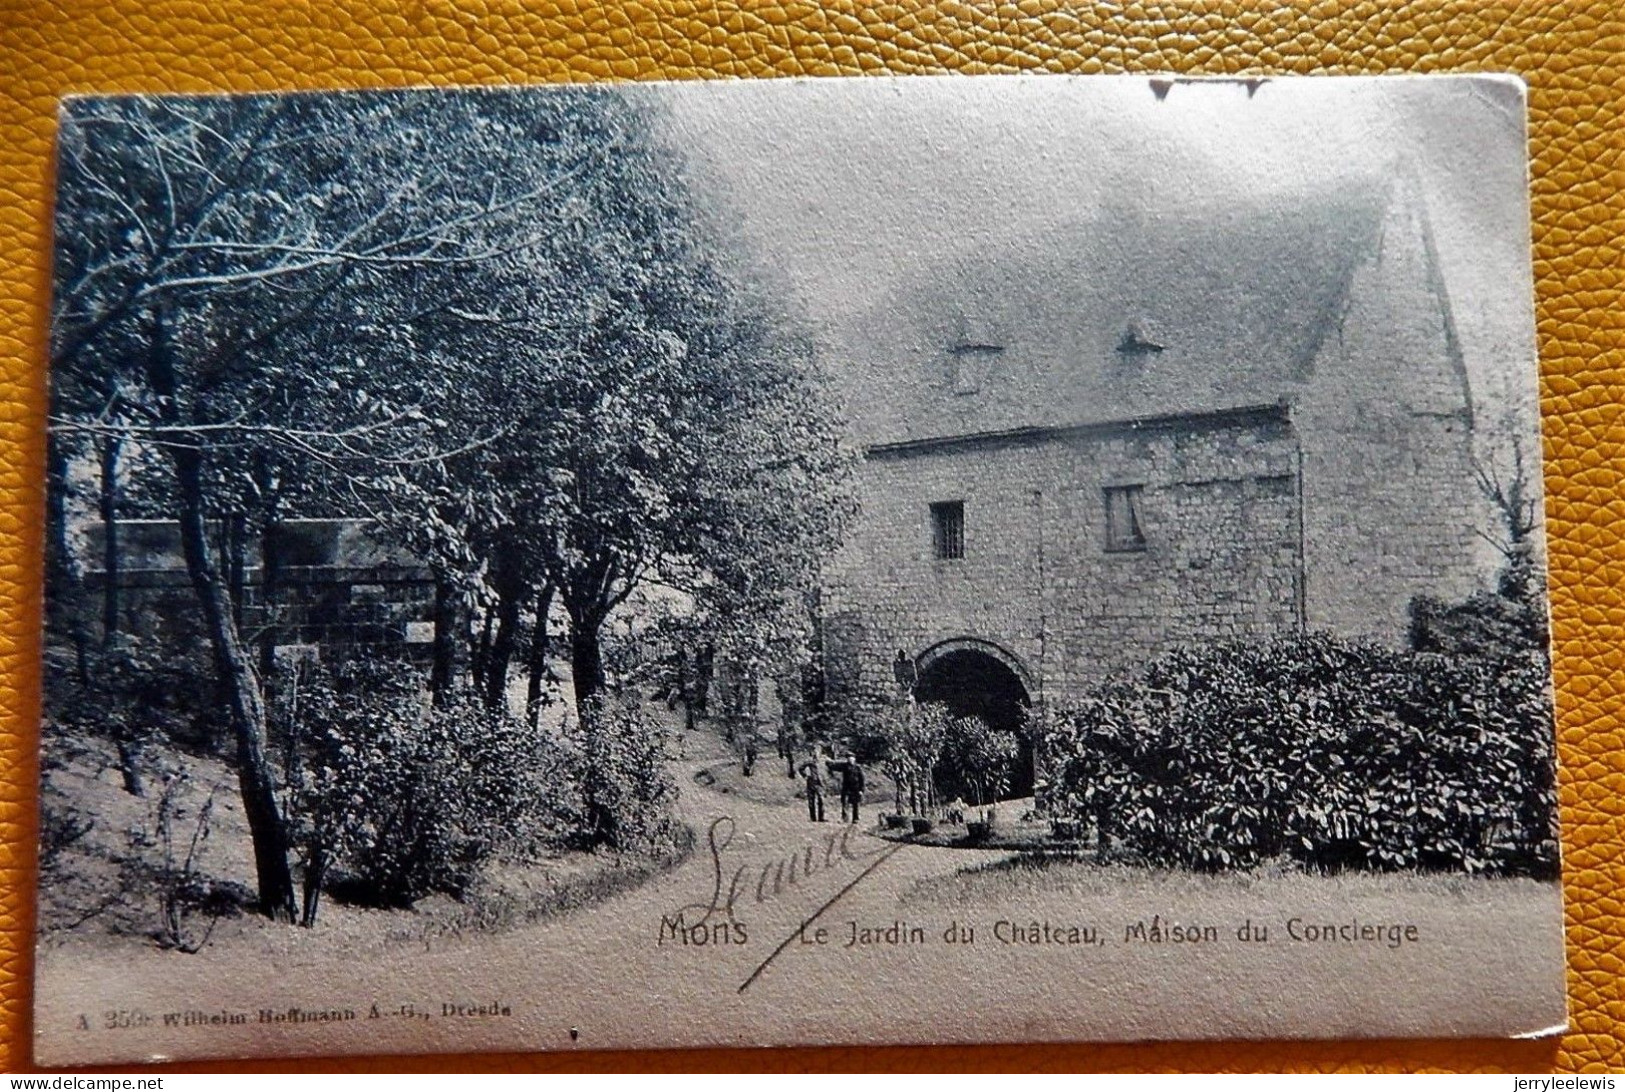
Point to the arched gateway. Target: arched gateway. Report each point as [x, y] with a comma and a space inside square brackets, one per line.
[975, 677]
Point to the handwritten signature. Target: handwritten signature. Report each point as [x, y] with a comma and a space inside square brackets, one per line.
[730, 883]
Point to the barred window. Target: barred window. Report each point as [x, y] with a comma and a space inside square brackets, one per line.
[948, 530]
[1123, 529]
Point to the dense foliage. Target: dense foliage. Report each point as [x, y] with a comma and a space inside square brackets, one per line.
[134, 690]
[626, 790]
[977, 760]
[410, 799]
[1332, 753]
[406, 798]
[1487, 623]
[933, 755]
[907, 740]
[503, 327]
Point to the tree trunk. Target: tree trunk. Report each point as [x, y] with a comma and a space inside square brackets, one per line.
[242, 688]
[726, 695]
[129, 757]
[245, 701]
[586, 660]
[270, 564]
[482, 650]
[446, 673]
[538, 655]
[58, 562]
[704, 669]
[110, 450]
[315, 874]
[236, 565]
[512, 592]
[65, 599]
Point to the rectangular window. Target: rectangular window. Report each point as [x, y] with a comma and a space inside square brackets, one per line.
[948, 530]
[1123, 530]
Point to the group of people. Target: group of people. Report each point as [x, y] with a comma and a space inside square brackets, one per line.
[850, 774]
[848, 770]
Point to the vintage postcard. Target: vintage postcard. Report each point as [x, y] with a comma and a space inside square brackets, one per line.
[814, 561]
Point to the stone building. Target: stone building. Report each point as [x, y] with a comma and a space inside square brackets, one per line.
[1153, 430]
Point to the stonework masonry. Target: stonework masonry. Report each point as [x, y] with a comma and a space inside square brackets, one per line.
[1282, 389]
[1217, 503]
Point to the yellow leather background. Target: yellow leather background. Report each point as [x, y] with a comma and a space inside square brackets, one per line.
[1573, 56]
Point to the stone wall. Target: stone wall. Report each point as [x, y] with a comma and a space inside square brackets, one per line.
[1332, 514]
[1386, 413]
[1218, 504]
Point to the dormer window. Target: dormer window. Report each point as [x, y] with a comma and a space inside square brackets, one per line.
[1136, 344]
[971, 354]
[968, 363]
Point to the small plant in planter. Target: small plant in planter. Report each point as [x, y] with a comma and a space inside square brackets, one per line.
[981, 829]
[1066, 830]
[984, 757]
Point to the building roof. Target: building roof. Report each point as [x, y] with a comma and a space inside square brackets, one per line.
[1128, 314]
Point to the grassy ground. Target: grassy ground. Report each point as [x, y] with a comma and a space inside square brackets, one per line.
[107, 861]
[1027, 878]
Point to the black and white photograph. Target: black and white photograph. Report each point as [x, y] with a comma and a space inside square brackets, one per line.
[850, 560]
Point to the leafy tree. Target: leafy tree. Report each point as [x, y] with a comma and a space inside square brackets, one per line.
[627, 790]
[494, 323]
[247, 286]
[666, 420]
[978, 757]
[915, 736]
[412, 799]
[342, 731]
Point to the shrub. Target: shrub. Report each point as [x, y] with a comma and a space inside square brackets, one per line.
[976, 758]
[933, 755]
[911, 739]
[134, 691]
[1334, 753]
[627, 792]
[411, 800]
[181, 887]
[1508, 620]
[61, 827]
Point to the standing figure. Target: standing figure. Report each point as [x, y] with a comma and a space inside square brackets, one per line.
[851, 774]
[902, 670]
[815, 789]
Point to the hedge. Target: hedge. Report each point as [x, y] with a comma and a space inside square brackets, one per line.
[1332, 753]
